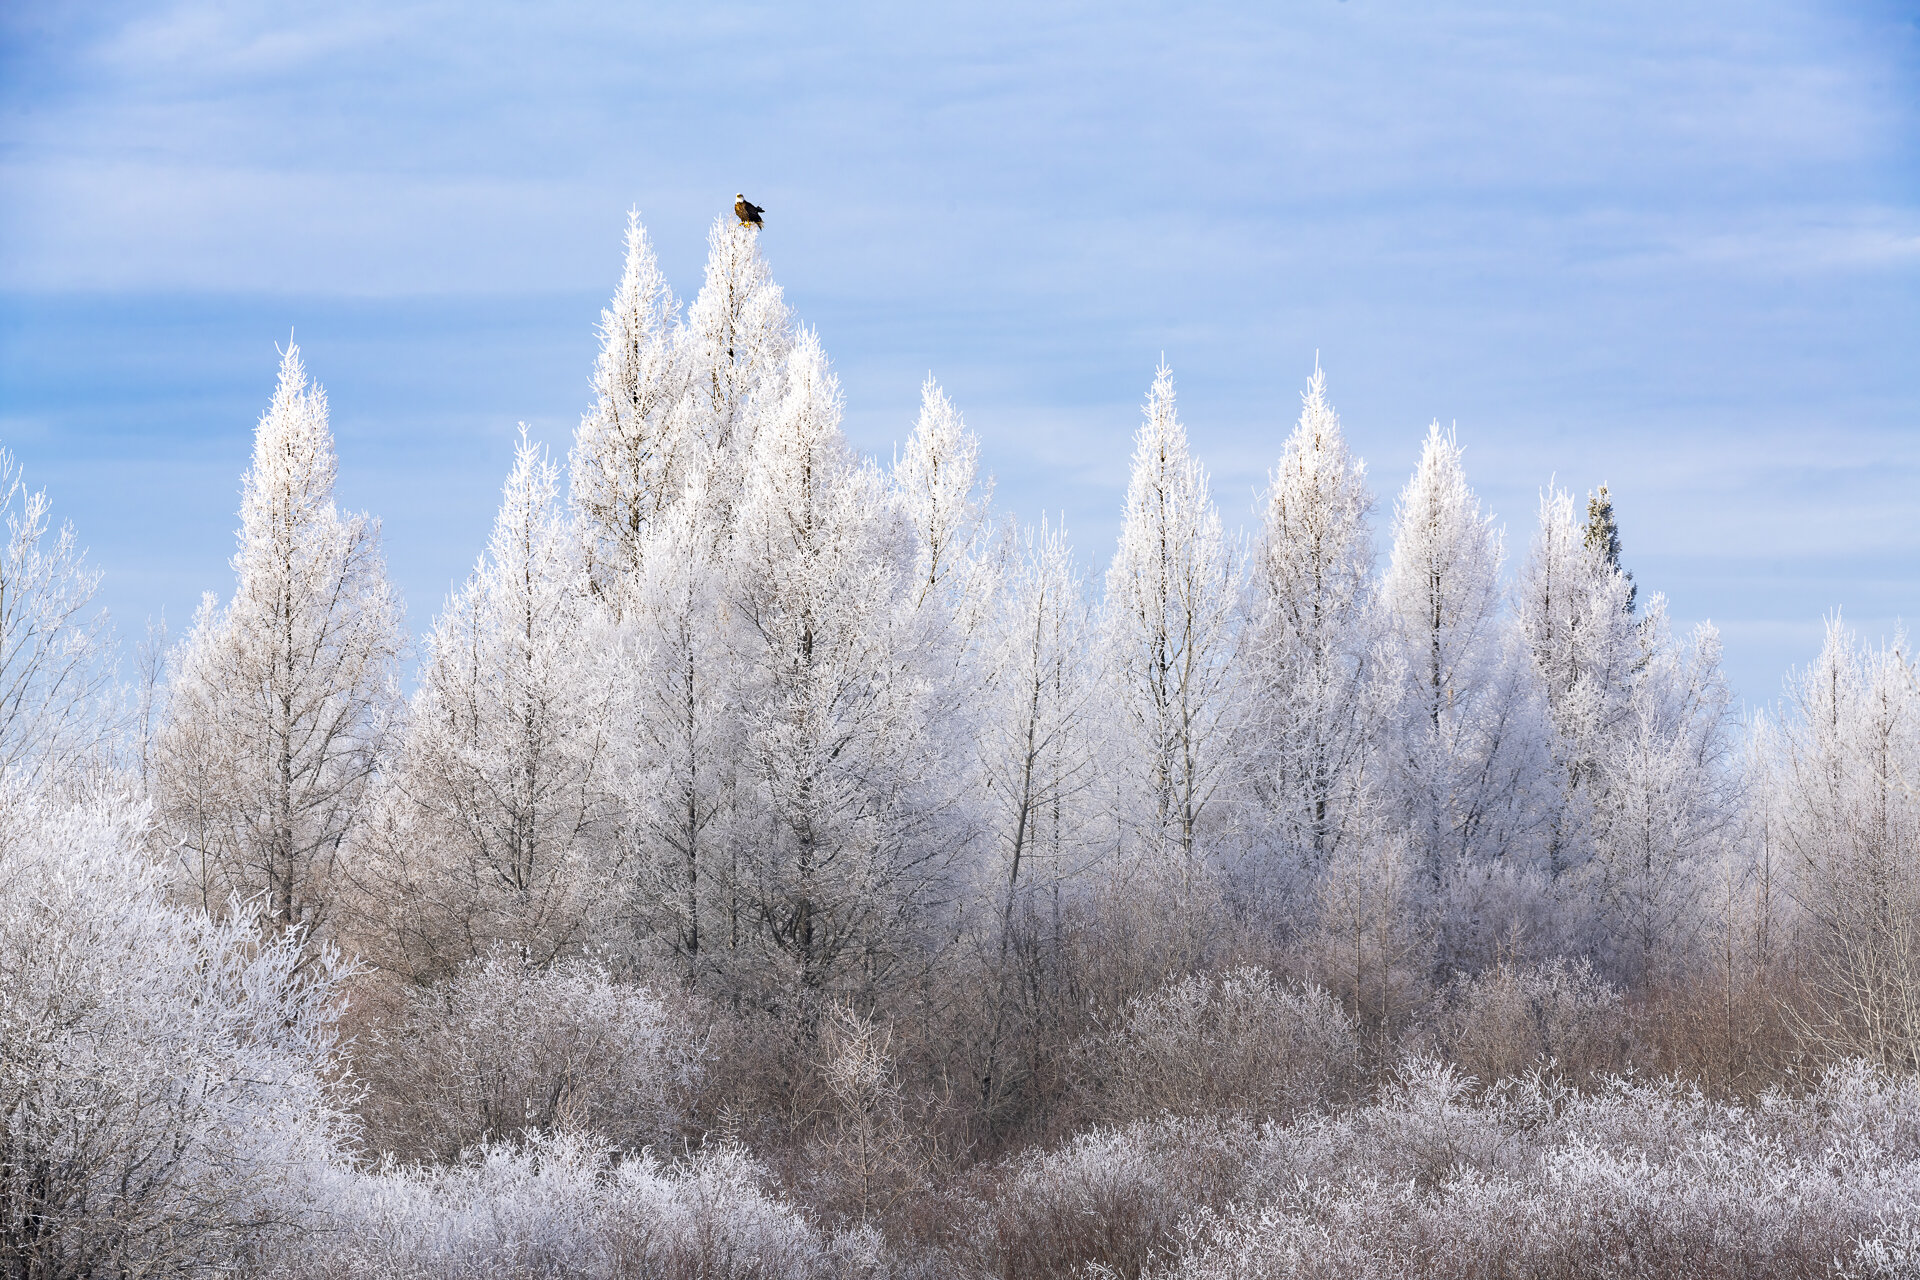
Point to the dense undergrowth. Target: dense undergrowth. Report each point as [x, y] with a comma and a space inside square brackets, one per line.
[179, 1101]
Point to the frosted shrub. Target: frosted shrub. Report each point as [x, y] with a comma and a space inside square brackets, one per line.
[1530, 1179]
[1512, 1019]
[1636, 1179]
[1425, 1129]
[563, 1207]
[163, 1095]
[505, 1048]
[1891, 1255]
[865, 1158]
[1114, 1198]
[1239, 1041]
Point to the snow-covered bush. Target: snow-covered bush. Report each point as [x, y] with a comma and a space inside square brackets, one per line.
[505, 1048]
[1234, 1042]
[164, 1095]
[865, 1158]
[1631, 1178]
[562, 1207]
[1114, 1198]
[1512, 1019]
[1893, 1254]
[1634, 1179]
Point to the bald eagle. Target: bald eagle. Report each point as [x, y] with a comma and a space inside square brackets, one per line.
[748, 213]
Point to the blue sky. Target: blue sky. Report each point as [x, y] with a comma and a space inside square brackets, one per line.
[1672, 248]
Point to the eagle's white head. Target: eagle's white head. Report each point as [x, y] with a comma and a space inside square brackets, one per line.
[739, 195]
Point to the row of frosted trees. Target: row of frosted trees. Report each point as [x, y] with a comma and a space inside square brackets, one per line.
[742, 706]
[756, 798]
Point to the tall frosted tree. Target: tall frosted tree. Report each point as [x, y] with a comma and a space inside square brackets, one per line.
[507, 812]
[1172, 592]
[833, 697]
[1311, 649]
[1037, 731]
[281, 698]
[936, 479]
[735, 341]
[55, 644]
[1667, 801]
[1574, 608]
[1037, 739]
[676, 745]
[1472, 742]
[957, 561]
[1846, 754]
[632, 449]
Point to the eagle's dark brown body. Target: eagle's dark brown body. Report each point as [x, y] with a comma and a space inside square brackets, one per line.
[748, 212]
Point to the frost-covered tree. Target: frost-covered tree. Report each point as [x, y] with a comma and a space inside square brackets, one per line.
[505, 814]
[735, 341]
[675, 746]
[1472, 739]
[280, 699]
[1037, 744]
[1846, 788]
[149, 691]
[55, 659]
[1667, 802]
[833, 696]
[632, 449]
[1037, 731]
[1172, 591]
[1312, 644]
[165, 1078]
[1603, 537]
[1575, 612]
[1369, 934]
[958, 565]
[936, 479]
[867, 1153]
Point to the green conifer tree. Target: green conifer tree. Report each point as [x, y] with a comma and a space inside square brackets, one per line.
[1603, 535]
